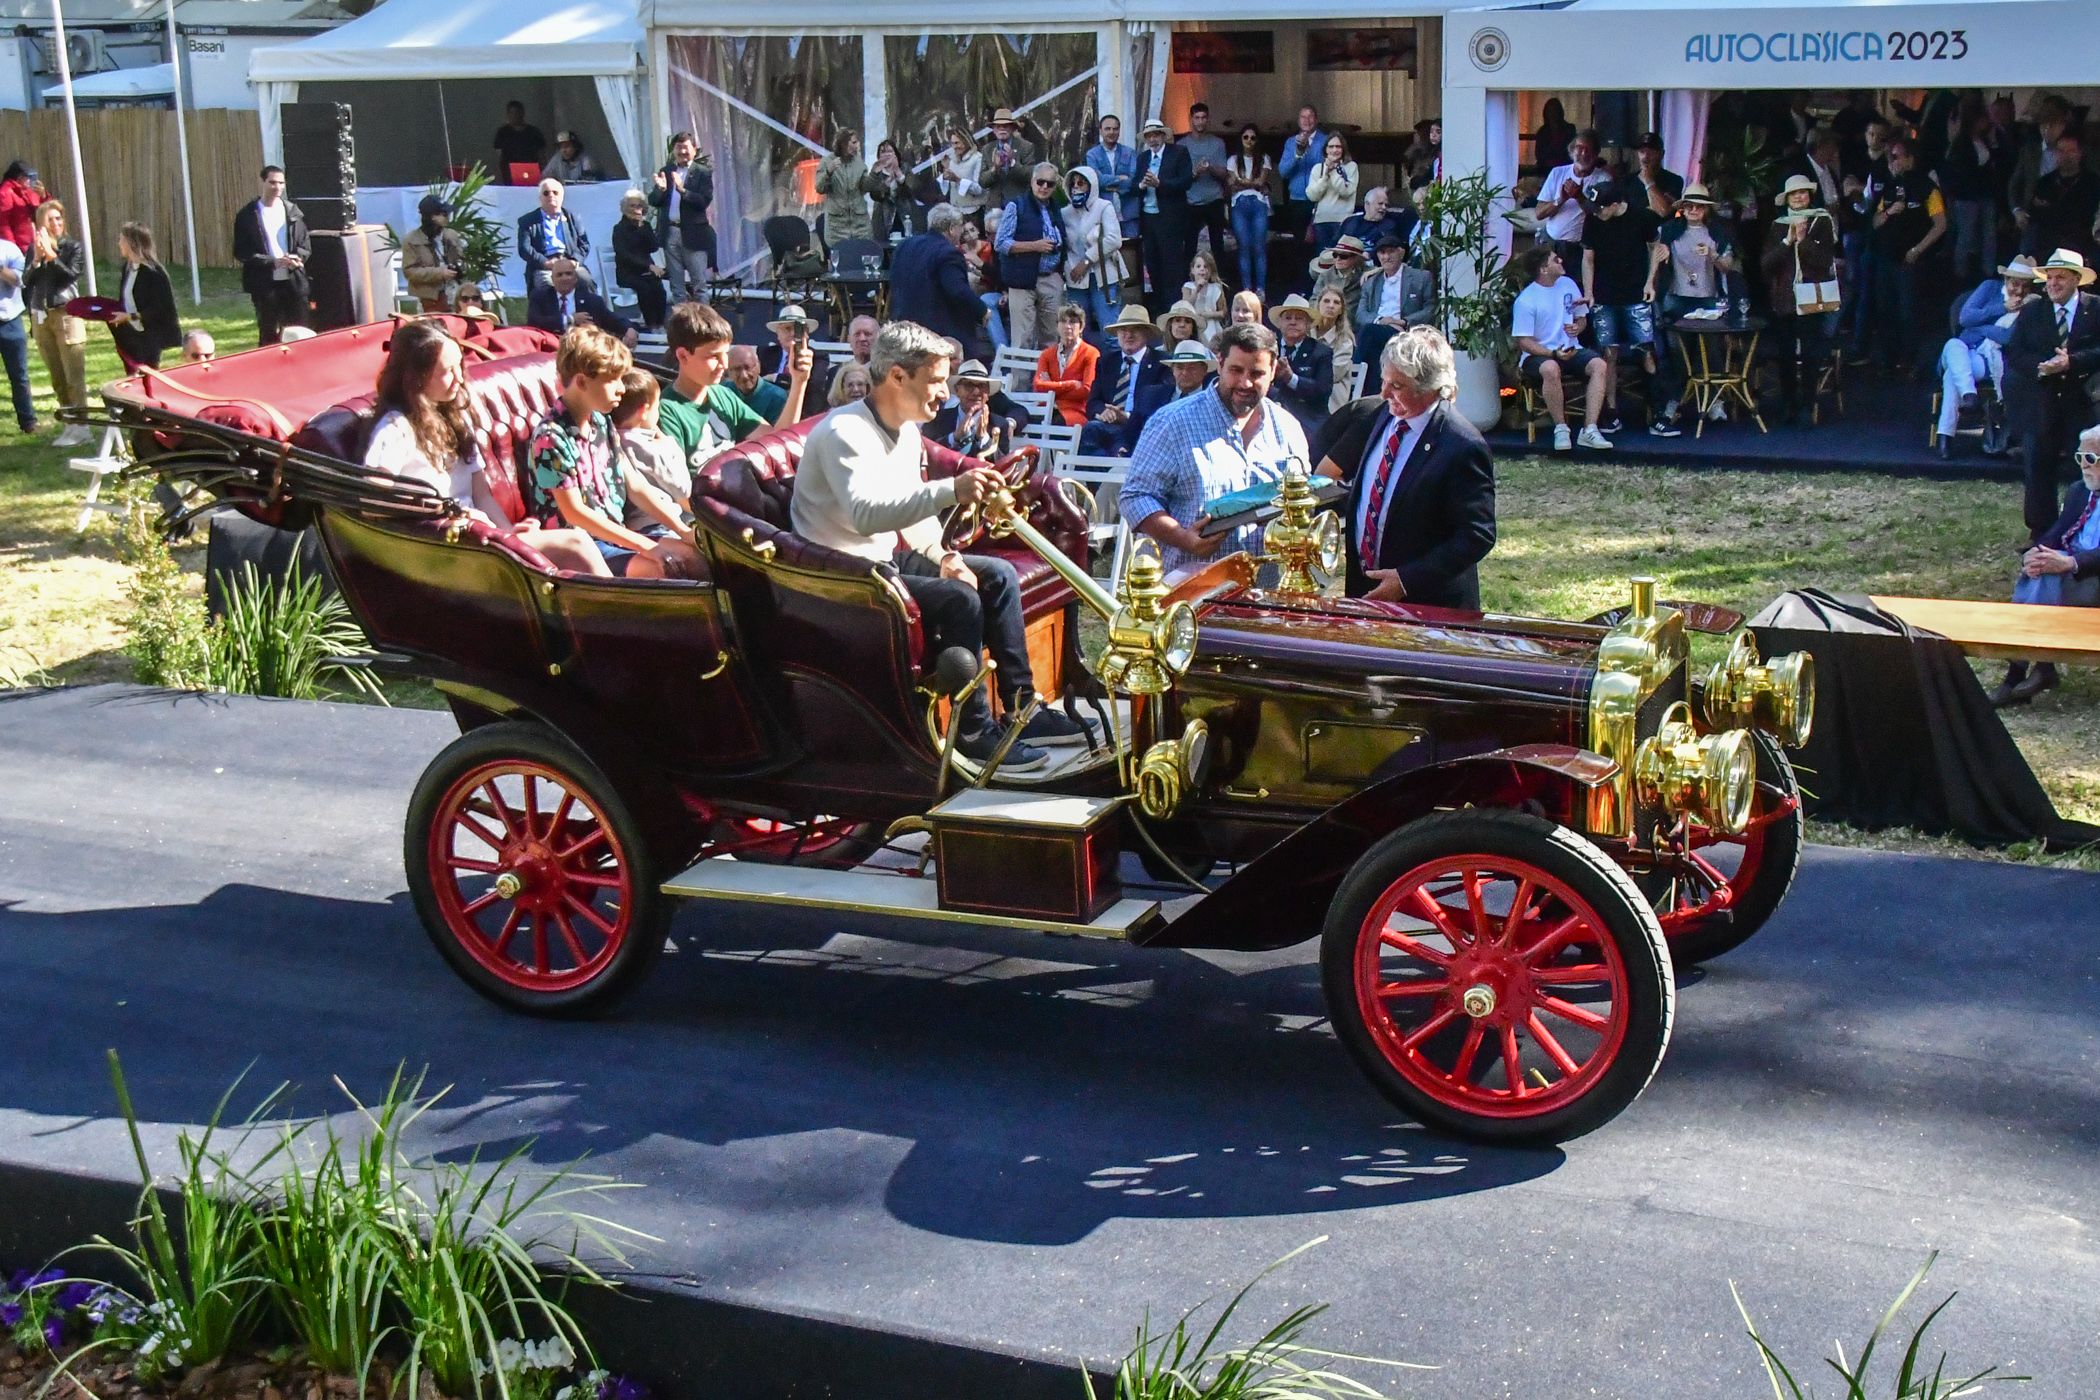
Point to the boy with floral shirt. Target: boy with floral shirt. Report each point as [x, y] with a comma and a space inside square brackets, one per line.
[580, 477]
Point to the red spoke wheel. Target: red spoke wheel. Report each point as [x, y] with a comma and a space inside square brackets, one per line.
[1741, 879]
[1497, 975]
[529, 873]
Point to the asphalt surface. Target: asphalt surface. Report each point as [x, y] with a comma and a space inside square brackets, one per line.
[1024, 1142]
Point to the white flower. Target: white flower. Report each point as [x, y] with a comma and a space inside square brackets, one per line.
[567, 1392]
[509, 1354]
[554, 1354]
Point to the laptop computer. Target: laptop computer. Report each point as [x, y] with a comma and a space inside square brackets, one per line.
[524, 172]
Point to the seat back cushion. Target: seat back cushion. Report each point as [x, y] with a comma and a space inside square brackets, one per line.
[757, 476]
[510, 397]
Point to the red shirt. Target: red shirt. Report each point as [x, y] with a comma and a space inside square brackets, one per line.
[1070, 386]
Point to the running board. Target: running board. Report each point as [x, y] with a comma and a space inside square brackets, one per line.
[868, 892]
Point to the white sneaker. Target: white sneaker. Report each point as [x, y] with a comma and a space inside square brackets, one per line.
[1562, 439]
[1717, 412]
[1592, 439]
[73, 435]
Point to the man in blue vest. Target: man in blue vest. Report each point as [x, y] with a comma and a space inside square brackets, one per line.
[1030, 243]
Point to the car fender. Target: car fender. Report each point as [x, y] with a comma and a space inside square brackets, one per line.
[1280, 897]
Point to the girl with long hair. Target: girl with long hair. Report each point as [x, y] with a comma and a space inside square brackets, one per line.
[151, 325]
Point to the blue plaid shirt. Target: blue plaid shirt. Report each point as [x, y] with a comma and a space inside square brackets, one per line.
[1191, 453]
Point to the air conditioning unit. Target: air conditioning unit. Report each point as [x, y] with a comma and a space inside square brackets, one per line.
[86, 52]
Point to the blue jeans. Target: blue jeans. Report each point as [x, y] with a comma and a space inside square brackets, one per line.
[14, 350]
[1100, 303]
[1250, 225]
[994, 323]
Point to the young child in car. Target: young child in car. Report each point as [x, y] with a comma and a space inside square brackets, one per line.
[650, 450]
[579, 479]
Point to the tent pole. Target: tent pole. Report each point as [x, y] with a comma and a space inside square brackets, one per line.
[182, 143]
[65, 79]
[445, 123]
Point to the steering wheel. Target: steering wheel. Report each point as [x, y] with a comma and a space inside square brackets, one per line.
[966, 524]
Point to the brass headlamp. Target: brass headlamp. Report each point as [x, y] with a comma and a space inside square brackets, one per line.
[1305, 544]
[1708, 778]
[1777, 696]
[1634, 659]
[1149, 647]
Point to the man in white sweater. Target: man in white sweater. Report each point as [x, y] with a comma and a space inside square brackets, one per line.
[861, 488]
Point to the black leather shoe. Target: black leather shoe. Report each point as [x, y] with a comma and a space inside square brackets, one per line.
[2040, 678]
[1946, 447]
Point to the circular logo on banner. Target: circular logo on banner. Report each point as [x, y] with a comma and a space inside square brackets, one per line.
[1489, 49]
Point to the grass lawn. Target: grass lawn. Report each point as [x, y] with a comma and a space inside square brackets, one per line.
[1571, 533]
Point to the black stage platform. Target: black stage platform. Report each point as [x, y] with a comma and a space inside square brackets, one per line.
[863, 1147]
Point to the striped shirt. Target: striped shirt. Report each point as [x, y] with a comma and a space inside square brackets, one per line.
[1190, 453]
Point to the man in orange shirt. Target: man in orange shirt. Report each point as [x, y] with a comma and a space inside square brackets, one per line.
[1065, 370]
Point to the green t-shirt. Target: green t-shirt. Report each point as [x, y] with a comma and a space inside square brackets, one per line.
[703, 428]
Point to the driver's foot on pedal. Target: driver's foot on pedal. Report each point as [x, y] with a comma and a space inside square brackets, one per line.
[980, 747]
[1054, 727]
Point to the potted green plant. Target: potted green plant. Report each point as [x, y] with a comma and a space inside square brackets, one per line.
[1454, 243]
[483, 238]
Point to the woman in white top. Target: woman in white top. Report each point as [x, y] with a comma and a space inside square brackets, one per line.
[422, 435]
[1332, 189]
[960, 177]
[1205, 294]
[1248, 176]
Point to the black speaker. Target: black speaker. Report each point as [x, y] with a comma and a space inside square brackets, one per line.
[320, 163]
[351, 271]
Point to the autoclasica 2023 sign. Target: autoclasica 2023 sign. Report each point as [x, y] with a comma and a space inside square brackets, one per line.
[1829, 46]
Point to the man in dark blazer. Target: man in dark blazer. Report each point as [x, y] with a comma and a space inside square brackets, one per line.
[930, 283]
[2054, 349]
[1420, 514]
[1164, 175]
[565, 296]
[1131, 381]
[272, 245]
[551, 232]
[1304, 366]
[681, 193]
[1379, 316]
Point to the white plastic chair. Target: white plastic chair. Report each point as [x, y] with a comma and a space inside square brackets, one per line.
[109, 459]
[1357, 377]
[1010, 360]
[1042, 401]
[1104, 477]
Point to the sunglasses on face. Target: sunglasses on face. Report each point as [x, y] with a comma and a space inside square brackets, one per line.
[1046, 184]
[2086, 460]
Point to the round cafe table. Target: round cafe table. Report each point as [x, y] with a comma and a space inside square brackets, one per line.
[1718, 357]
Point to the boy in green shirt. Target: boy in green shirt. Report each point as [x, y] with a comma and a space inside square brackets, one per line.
[699, 411]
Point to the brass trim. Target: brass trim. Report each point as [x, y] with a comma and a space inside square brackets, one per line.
[721, 665]
[1634, 659]
[1142, 923]
[764, 549]
[1776, 696]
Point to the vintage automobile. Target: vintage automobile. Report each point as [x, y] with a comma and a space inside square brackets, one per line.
[1502, 831]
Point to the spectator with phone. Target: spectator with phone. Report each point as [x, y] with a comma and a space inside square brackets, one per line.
[1699, 255]
[1565, 199]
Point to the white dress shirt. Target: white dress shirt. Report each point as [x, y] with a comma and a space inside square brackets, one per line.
[1372, 453]
[273, 222]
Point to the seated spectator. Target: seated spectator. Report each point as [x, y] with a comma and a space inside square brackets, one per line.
[579, 479]
[984, 283]
[2061, 569]
[637, 259]
[433, 260]
[1801, 252]
[760, 394]
[969, 425]
[1545, 321]
[1564, 199]
[860, 337]
[2065, 202]
[1615, 262]
[1205, 295]
[548, 233]
[422, 435]
[1381, 218]
[471, 305]
[650, 450]
[1180, 323]
[1004, 405]
[1660, 188]
[1699, 254]
[1304, 374]
[1129, 383]
[565, 300]
[704, 414]
[1341, 269]
[198, 348]
[1332, 188]
[792, 330]
[569, 163]
[1245, 309]
[1976, 355]
[1065, 371]
[849, 384]
[1332, 327]
[1093, 248]
[1193, 366]
[1395, 296]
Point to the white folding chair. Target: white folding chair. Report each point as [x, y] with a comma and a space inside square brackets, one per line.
[1357, 377]
[1010, 360]
[1104, 477]
[405, 301]
[1058, 441]
[836, 349]
[109, 459]
[1042, 401]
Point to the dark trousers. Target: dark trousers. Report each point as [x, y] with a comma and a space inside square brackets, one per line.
[280, 306]
[1294, 258]
[1204, 216]
[1370, 344]
[649, 301]
[1804, 353]
[987, 617]
[2053, 418]
[1894, 315]
[14, 352]
[1166, 260]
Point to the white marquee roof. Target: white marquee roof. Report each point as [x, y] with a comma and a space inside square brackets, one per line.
[464, 39]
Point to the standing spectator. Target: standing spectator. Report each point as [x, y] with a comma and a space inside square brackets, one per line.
[1973, 176]
[1207, 183]
[1163, 206]
[1129, 383]
[570, 164]
[1975, 354]
[761, 395]
[1549, 144]
[1820, 164]
[14, 334]
[271, 244]
[1660, 187]
[1030, 244]
[1332, 188]
[1545, 322]
[682, 192]
[2054, 348]
[551, 232]
[566, 300]
[1699, 254]
[1807, 255]
[1615, 262]
[844, 186]
[1093, 248]
[1304, 374]
[56, 264]
[2065, 201]
[1205, 295]
[1392, 298]
[516, 142]
[1008, 159]
[1909, 217]
[1425, 154]
[1301, 155]
[433, 259]
[1247, 175]
[20, 194]
[1115, 168]
[1381, 219]
[1332, 328]
[1065, 371]
[1341, 269]
[930, 282]
[897, 214]
[1565, 199]
[961, 178]
[637, 262]
[2036, 156]
[150, 324]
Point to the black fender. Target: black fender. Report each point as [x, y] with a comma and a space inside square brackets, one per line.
[1280, 897]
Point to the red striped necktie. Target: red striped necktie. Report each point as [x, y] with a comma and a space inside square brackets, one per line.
[1381, 482]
